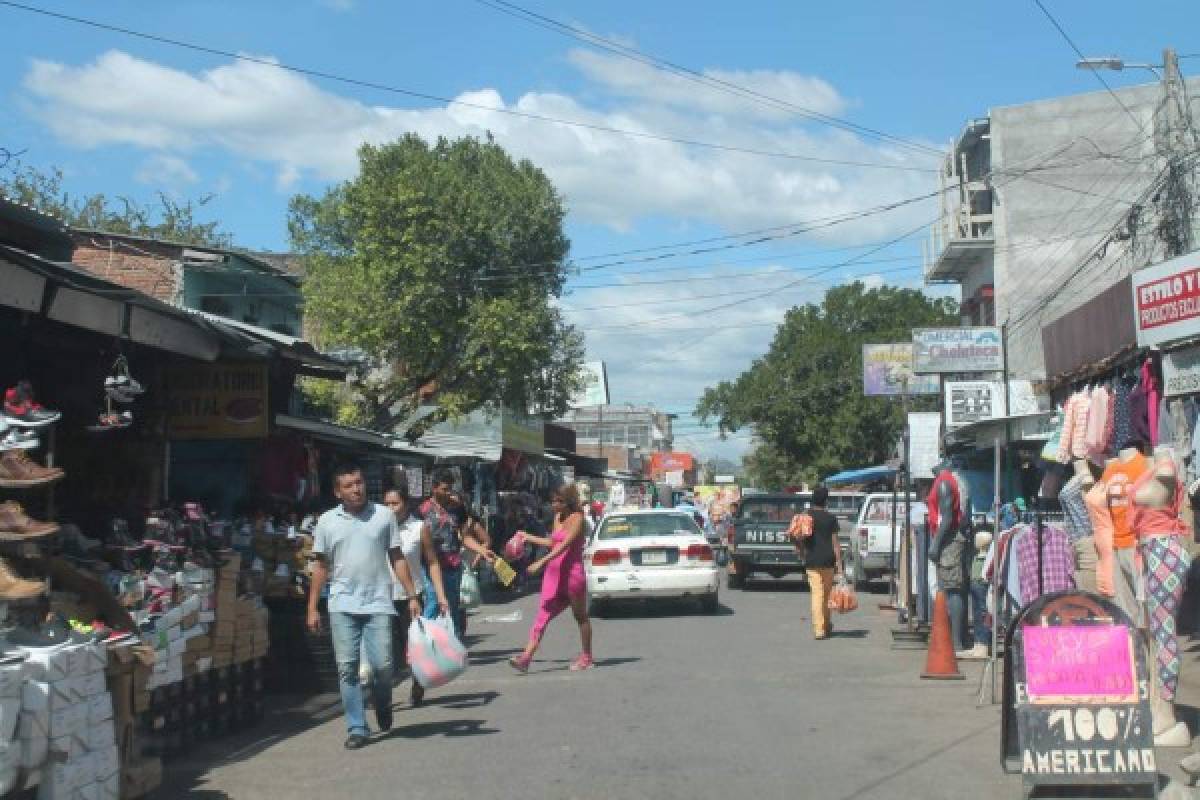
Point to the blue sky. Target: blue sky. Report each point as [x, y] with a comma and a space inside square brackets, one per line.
[129, 117]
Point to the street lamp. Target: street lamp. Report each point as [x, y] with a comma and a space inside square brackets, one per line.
[1116, 64]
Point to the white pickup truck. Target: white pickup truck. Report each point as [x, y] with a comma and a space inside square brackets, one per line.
[875, 552]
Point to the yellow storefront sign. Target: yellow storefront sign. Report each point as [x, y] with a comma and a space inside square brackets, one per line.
[217, 401]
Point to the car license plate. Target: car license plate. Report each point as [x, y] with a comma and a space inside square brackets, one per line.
[654, 556]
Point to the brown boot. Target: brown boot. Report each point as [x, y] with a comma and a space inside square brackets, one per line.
[14, 587]
[14, 520]
[17, 469]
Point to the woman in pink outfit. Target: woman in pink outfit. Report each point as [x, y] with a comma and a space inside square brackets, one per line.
[565, 583]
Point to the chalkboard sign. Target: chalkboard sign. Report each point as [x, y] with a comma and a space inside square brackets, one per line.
[1076, 700]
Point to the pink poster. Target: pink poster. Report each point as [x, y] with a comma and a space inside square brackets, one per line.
[1086, 662]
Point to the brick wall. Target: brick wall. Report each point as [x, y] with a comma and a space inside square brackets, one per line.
[145, 271]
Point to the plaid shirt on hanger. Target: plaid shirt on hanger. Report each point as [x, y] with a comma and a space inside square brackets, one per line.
[1058, 562]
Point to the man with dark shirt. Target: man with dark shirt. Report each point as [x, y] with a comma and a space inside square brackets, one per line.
[823, 557]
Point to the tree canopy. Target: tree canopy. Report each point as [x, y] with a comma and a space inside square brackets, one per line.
[442, 262]
[171, 219]
[804, 397]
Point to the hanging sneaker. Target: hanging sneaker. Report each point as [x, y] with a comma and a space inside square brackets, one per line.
[18, 470]
[17, 438]
[14, 587]
[21, 410]
[14, 520]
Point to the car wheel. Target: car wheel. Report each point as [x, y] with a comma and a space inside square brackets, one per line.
[710, 603]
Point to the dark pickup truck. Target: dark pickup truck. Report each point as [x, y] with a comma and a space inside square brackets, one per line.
[760, 542]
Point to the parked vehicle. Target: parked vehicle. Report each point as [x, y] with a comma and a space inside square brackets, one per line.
[874, 551]
[650, 553]
[759, 540]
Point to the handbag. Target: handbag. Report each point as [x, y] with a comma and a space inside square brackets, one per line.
[435, 655]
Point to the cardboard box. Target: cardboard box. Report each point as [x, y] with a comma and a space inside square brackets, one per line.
[141, 776]
[12, 677]
[100, 709]
[49, 665]
[34, 752]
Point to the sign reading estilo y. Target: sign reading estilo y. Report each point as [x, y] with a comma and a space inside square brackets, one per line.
[957, 350]
[1166, 299]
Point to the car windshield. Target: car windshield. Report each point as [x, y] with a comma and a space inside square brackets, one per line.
[774, 509]
[626, 527]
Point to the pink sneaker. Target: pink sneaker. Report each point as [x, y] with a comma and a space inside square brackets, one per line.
[583, 662]
[521, 663]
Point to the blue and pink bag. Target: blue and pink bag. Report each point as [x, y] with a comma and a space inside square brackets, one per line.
[435, 655]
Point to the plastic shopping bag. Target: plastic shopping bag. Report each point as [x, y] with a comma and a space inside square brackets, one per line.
[514, 548]
[469, 595]
[842, 598]
[435, 655]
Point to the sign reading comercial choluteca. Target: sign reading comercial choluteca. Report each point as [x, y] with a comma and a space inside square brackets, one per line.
[957, 350]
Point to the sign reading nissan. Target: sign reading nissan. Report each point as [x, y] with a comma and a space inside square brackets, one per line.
[938, 350]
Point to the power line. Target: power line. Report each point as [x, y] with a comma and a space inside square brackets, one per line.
[687, 73]
[680, 300]
[366, 84]
[1082, 57]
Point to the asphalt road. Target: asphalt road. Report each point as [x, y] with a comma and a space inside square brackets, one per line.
[744, 704]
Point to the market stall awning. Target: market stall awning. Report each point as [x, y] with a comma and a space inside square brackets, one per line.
[339, 434]
[865, 475]
[984, 434]
[308, 359]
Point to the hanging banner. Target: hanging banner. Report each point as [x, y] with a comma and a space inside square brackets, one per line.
[888, 371]
[217, 401]
[924, 443]
[973, 401]
[957, 350]
[1166, 300]
[1181, 372]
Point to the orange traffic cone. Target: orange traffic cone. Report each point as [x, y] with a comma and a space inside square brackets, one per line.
[941, 664]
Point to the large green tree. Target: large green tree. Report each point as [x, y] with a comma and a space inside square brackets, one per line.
[442, 263]
[169, 218]
[804, 397]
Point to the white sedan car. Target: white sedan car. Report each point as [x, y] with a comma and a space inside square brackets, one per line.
[651, 553]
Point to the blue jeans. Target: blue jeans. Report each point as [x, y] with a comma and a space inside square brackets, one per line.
[979, 593]
[956, 603]
[372, 633]
[451, 583]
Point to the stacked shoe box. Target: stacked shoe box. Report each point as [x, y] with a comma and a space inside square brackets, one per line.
[129, 669]
[223, 632]
[251, 631]
[66, 728]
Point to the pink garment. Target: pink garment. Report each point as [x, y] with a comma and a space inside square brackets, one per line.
[1072, 443]
[1153, 394]
[1095, 442]
[563, 581]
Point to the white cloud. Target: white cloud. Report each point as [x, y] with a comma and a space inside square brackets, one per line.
[166, 172]
[641, 81]
[262, 114]
[269, 118]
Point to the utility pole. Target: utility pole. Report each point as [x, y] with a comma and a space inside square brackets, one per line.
[1175, 140]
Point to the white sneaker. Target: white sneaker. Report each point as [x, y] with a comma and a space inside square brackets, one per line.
[977, 653]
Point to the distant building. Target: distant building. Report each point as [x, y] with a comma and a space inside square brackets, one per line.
[626, 436]
[256, 289]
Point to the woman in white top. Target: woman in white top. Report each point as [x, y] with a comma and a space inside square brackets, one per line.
[419, 553]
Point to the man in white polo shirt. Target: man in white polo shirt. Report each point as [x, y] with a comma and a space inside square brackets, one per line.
[354, 544]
